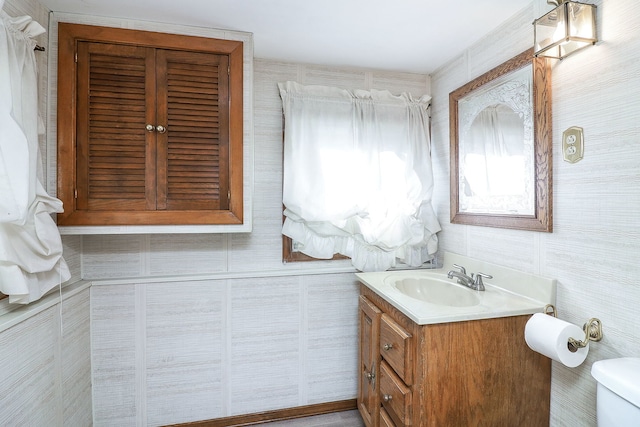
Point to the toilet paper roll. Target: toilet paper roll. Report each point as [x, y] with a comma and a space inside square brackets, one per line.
[549, 336]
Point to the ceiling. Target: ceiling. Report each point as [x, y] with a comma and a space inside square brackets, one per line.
[403, 35]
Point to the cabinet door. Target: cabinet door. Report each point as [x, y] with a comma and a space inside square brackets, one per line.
[114, 151]
[193, 153]
[369, 363]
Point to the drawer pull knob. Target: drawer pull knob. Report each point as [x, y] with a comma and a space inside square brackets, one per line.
[387, 398]
[388, 347]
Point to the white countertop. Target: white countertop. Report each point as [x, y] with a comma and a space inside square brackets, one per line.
[509, 293]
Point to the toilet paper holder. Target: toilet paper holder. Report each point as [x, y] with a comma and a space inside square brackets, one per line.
[592, 330]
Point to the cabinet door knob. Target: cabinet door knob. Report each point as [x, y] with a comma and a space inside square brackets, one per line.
[161, 129]
[387, 397]
[387, 346]
[150, 128]
[371, 376]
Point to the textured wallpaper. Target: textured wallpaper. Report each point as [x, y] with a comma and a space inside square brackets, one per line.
[594, 249]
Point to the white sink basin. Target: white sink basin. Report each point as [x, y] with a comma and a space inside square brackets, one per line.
[438, 292]
[428, 296]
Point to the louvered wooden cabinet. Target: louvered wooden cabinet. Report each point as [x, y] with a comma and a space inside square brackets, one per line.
[149, 128]
[472, 373]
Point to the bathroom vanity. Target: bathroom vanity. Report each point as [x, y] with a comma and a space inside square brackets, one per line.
[451, 362]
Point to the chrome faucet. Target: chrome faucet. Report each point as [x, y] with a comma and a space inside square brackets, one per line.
[474, 281]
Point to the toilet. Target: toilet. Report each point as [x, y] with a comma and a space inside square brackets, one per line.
[618, 392]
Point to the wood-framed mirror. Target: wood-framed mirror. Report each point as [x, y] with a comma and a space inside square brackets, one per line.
[501, 147]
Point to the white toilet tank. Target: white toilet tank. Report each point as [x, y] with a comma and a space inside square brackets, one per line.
[618, 393]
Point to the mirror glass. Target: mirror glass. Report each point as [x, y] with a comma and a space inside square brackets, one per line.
[501, 147]
[495, 173]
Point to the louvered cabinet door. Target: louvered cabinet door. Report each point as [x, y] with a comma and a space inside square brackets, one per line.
[150, 128]
[193, 152]
[115, 155]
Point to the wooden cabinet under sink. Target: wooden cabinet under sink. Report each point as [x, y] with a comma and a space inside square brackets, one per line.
[458, 374]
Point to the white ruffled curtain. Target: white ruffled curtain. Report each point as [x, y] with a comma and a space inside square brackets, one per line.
[31, 260]
[357, 176]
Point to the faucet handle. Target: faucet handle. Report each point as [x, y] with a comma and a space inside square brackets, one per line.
[461, 268]
[478, 280]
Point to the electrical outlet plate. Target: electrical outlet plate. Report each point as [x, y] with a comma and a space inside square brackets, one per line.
[573, 144]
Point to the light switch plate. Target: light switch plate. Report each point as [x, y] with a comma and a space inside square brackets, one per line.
[573, 144]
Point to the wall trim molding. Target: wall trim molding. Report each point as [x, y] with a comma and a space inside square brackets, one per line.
[276, 415]
[223, 276]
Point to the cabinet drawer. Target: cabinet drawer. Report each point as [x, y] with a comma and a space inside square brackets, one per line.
[396, 348]
[385, 419]
[395, 396]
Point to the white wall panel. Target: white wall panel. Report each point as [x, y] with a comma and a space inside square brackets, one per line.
[76, 360]
[45, 378]
[105, 256]
[184, 345]
[28, 378]
[113, 350]
[264, 354]
[199, 254]
[593, 250]
[331, 337]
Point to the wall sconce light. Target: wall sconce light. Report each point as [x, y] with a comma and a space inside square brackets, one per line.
[568, 28]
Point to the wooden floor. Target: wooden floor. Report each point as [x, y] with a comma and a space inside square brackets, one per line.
[336, 419]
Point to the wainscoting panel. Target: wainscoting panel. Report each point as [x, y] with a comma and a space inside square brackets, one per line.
[184, 351]
[28, 378]
[332, 322]
[113, 349]
[45, 378]
[265, 350]
[175, 352]
[76, 360]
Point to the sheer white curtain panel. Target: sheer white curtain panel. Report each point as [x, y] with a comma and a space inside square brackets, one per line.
[358, 179]
[31, 260]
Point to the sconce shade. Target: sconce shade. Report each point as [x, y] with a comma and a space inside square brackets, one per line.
[566, 29]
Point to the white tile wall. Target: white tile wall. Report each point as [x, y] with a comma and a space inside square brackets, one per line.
[595, 246]
[173, 352]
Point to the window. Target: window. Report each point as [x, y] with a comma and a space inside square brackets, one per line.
[357, 176]
[156, 131]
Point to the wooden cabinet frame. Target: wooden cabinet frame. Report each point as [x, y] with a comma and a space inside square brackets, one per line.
[68, 36]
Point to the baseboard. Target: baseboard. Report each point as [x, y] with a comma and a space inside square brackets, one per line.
[277, 415]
